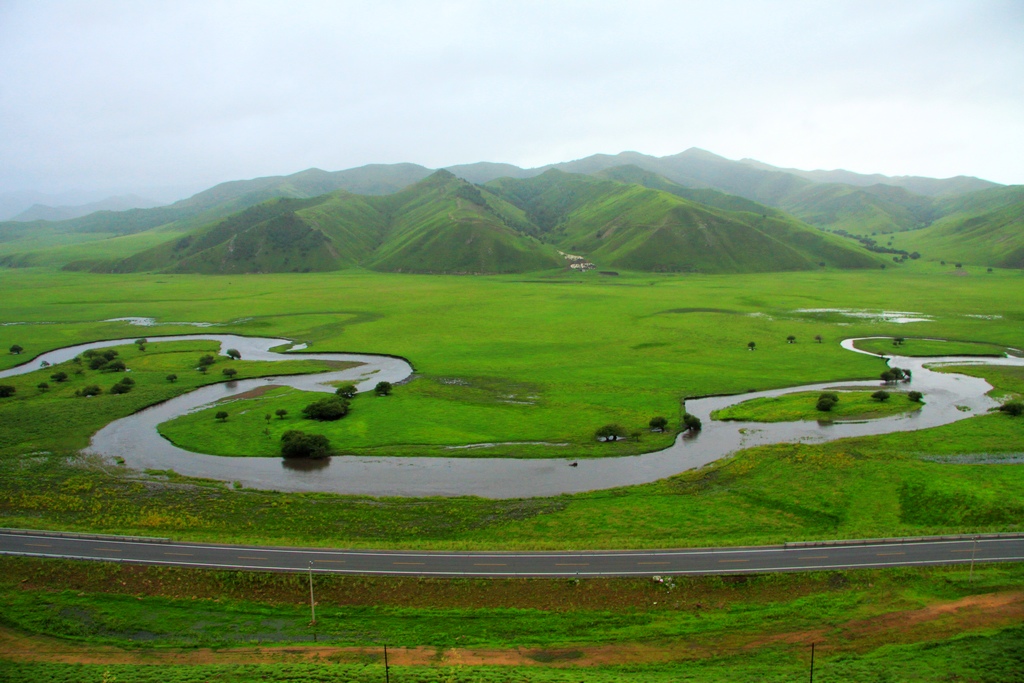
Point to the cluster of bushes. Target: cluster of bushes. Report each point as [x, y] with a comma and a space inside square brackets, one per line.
[893, 375]
[614, 432]
[104, 361]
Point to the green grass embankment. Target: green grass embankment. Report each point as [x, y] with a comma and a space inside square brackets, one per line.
[852, 405]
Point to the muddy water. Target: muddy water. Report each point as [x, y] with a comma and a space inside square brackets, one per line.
[949, 397]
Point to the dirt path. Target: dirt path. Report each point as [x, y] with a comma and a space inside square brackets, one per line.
[939, 620]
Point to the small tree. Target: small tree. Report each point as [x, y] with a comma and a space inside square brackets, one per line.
[16, 349]
[281, 413]
[43, 386]
[172, 378]
[326, 409]
[382, 388]
[751, 346]
[898, 341]
[880, 395]
[692, 422]
[1014, 407]
[818, 338]
[296, 444]
[206, 361]
[221, 415]
[6, 390]
[610, 432]
[229, 372]
[791, 339]
[833, 396]
[60, 376]
[90, 390]
[658, 424]
[116, 365]
[44, 364]
[233, 354]
[915, 396]
[346, 391]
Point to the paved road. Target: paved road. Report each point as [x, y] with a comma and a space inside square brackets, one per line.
[507, 564]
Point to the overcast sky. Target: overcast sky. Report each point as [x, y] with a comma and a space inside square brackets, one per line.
[97, 94]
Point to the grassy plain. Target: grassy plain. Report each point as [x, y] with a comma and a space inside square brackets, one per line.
[801, 405]
[580, 351]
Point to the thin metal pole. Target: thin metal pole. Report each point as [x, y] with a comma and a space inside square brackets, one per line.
[812, 662]
[312, 604]
[387, 675]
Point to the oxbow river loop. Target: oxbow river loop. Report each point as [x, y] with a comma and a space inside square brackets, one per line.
[948, 398]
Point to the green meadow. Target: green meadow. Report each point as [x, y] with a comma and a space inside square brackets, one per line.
[506, 359]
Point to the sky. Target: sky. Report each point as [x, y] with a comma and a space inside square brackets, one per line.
[106, 95]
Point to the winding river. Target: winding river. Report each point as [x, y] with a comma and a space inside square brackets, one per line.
[949, 397]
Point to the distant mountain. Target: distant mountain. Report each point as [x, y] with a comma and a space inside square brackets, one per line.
[442, 224]
[42, 212]
[982, 228]
[862, 210]
[366, 221]
[634, 227]
[929, 187]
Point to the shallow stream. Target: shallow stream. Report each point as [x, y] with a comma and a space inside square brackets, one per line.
[948, 398]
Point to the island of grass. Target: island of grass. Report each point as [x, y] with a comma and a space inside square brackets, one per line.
[901, 346]
[802, 405]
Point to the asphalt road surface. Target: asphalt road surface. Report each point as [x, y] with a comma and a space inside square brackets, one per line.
[792, 557]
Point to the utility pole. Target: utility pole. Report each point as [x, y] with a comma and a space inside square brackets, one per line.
[312, 604]
[387, 675]
[812, 662]
[974, 546]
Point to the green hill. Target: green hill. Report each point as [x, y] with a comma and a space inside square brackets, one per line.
[983, 228]
[634, 227]
[861, 210]
[440, 225]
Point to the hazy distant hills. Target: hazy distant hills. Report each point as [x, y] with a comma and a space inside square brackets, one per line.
[693, 211]
[42, 212]
[444, 224]
[983, 228]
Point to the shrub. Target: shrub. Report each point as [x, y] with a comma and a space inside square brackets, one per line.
[120, 388]
[658, 423]
[91, 390]
[6, 390]
[880, 395]
[97, 362]
[915, 396]
[59, 376]
[1014, 407]
[692, 422]
[206, 361]
[830, 395]
[825, 404]
[382, 388]
[229, 372]
[326, 409]
[296, 444]
[114, 366]
[611, 432]
[346, 390]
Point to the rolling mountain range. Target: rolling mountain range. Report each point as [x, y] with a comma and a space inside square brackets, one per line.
[693, 211]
